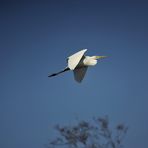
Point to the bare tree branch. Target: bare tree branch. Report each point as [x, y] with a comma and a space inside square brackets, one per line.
[94, 134]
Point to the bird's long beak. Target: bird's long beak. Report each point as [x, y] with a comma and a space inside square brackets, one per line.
[101, 57]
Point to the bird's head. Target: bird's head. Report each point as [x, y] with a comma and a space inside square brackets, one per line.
[91, 61]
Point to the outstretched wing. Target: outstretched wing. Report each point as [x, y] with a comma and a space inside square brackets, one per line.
[79, 73]
[74, 60]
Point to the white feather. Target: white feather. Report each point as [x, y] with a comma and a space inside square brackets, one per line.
[74, 60]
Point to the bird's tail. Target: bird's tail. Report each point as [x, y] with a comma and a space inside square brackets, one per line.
[64, 70]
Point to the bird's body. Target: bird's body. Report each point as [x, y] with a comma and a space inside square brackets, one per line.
[79, 63]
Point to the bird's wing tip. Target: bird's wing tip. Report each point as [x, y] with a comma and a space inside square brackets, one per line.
[85, 50]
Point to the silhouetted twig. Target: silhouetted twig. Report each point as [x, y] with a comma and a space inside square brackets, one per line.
[94, 134]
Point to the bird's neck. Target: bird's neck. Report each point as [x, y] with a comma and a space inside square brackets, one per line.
[90, 61]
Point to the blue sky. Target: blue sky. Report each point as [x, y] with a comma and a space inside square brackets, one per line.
[37, 37]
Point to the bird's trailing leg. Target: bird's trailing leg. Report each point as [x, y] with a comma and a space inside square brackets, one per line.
[54, 74]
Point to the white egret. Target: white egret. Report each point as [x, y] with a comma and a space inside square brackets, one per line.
[79, 63]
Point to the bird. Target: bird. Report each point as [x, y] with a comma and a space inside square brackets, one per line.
[79, 63]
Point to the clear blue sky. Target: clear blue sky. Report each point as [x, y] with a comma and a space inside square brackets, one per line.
[36, 38]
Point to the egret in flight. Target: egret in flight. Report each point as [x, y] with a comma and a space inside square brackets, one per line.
[79, 63]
